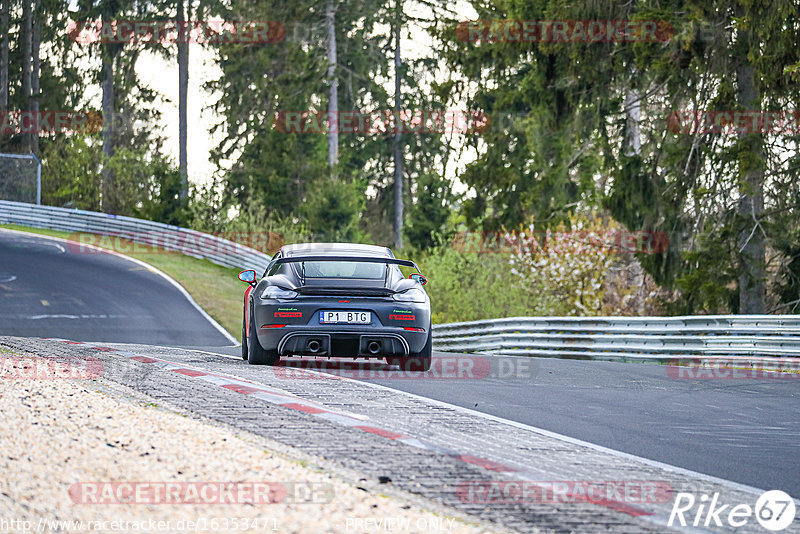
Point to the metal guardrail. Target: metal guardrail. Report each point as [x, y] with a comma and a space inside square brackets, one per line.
[626, 338]
[196, 244]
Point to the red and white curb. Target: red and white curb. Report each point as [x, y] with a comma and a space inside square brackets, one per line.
[293, 402]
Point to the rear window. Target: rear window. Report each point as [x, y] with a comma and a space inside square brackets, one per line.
[342, 269]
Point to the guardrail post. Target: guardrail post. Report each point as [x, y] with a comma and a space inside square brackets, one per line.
[38, 179]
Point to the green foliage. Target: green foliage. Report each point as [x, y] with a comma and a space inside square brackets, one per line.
[711, 284]
[635, 201]
[787, 247]
[332, 210]
[275, 171]
[166, 205]
[429, 215]
[147, 188]
[256, 226]
[70, 173]
[469, 286]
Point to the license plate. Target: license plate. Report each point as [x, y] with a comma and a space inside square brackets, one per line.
[346, 317]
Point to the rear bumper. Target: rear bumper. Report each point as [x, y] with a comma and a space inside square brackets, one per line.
[396, 329]
[342, 341]
[315, 343]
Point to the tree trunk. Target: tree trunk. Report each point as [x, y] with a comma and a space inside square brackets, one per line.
[752, 279]
[333, 98]
[4, 54]
[183, 92]
[35, 44]
[398, 136]
[107, 201]
[27, 30]
[633, 118]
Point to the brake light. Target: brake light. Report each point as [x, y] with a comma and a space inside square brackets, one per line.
[413, 329]
[272, 325]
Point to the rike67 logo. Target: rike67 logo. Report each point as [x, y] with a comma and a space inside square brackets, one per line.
[774, 510]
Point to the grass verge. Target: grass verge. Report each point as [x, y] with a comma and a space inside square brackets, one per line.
[215, 288]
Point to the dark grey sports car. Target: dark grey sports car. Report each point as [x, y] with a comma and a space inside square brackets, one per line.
[337, 300]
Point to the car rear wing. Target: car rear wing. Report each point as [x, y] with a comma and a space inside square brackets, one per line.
[359, 259]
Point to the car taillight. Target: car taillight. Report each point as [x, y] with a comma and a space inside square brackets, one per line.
[414, 294]
[278, 293]
[413, 329]
[272, 325]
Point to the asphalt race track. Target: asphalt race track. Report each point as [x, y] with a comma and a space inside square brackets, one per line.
[47, 290]
[746, 431]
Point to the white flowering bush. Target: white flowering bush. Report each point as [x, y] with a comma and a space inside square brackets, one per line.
[570, 264]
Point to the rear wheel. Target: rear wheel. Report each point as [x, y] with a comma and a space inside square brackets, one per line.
[256, 354]
[244, 339]
[420, 361]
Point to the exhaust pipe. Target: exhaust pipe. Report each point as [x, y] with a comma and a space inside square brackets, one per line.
[374, 347]
[313, 346]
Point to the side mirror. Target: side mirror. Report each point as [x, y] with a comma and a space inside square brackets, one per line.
[419, 278]
[248, 276]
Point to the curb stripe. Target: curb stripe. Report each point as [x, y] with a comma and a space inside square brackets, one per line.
[379, 431]
[143, 359]
[303, 408]
[244, 390]
[189, 372]
[486, 464]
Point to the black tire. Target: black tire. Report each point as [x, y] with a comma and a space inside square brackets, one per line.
[420, 361]
[425, 356]
[427, 350]
[244, 339]
[256, 354]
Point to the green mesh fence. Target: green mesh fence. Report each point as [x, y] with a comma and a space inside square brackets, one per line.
[18, 178]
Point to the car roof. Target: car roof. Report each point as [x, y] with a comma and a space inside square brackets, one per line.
[324, 249]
